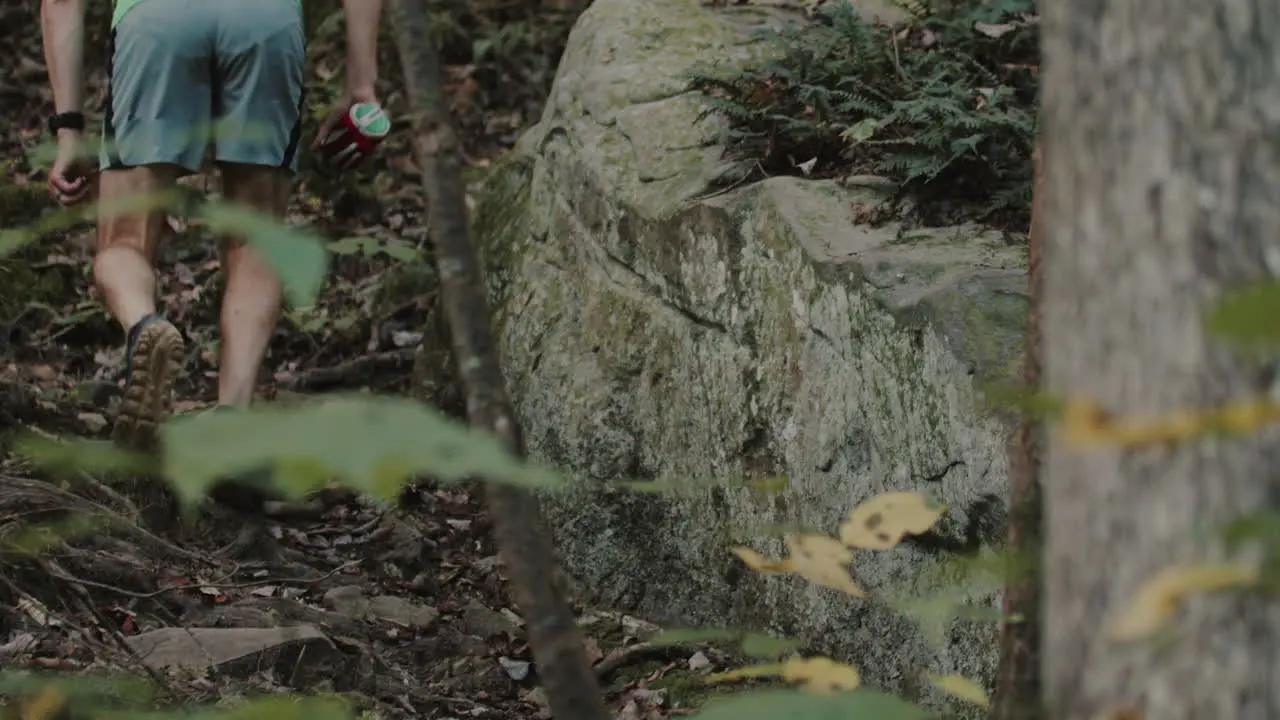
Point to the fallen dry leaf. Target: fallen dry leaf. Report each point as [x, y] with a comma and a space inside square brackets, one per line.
[821, 675]
[881, 522]
[824, 561]
[760, 563]
[1157, 601]
[994, 30]
[818, 674]
[961, 687]
[47, 704]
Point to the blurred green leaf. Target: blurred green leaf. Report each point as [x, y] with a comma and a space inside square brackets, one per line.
[298, 257]
[767, 486]
[38, 538]
[376, 444]
[350, 245]
[400, 250]
[287, 708]
[935, 613]
[1037, 404]
[755, 644]
[680, 636]
[79, 454]
[760, 645]
[15, 239]
[798, 705]
[1262, 526]
[87, 688]
[861, 131]
[1248, 317]
[11, 241]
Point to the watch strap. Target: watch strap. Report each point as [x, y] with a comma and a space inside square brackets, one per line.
[66, 121]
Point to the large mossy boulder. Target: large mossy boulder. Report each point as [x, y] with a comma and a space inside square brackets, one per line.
[654, 329]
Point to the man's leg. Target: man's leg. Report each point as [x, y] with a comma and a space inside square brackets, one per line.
[155, 129]
[252, 295]
[123, 271]
[126, 250]
[261, 59]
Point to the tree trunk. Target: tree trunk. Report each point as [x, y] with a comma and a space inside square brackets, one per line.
[1018, 676]
[567, 677]
[1162, 121]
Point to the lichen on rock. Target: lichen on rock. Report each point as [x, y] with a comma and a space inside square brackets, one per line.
[652, 329]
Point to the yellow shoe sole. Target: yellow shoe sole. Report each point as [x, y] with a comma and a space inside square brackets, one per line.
[148, 399]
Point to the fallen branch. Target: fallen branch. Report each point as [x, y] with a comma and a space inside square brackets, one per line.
[356, 371]
[570, 683]
[637, 653]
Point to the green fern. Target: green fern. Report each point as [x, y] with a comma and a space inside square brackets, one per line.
[947, 107]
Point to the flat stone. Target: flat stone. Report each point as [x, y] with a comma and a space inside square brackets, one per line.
[403, 612]
[349, 600]
[300, 654]
[486, 622]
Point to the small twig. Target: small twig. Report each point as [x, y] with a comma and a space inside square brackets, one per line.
[110, 492]
[65, 577]
[353, 532]
[639, 652]
[348, 372]
[86, 601]
[465, 702]
[77, 503]
[49, 567]
[746, 178]
[403, 701]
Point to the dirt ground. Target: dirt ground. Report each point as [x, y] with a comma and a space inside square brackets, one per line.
[402, 610]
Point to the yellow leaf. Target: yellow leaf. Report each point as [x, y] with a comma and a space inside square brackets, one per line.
[751, 671]
[824, 561]
[880, 523]
[821, 675]
[1157, 601]
[961, 687]
[760, 563]
[1083, 422]
[48, 704]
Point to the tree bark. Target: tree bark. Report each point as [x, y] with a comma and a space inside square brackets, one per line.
[1160, 120]
[1018, 674]
[567, 677]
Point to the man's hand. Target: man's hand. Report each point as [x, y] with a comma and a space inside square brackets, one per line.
[349, 97]
[70, 177]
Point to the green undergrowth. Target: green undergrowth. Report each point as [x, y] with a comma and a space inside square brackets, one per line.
[22, 282]
[943, 105]
[689, 690]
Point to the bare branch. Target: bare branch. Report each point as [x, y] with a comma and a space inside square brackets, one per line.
[567, 676]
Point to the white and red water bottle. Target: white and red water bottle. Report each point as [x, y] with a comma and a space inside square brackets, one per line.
[355, 136]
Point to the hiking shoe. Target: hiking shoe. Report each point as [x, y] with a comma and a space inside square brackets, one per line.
[153, 355]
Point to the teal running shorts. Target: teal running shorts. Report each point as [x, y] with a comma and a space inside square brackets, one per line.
[187, 74]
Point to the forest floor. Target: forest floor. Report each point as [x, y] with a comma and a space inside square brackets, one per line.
[403, 610]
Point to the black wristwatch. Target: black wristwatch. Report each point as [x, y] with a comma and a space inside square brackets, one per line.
[67, 121]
